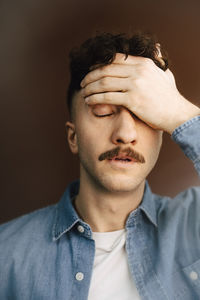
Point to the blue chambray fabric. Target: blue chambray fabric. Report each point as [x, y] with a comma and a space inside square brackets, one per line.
[42, 252]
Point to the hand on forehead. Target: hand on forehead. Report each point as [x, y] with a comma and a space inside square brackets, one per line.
[112, 69]
[139, 85]
[115, 68]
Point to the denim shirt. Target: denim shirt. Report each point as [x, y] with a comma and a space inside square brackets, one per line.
[49, 254]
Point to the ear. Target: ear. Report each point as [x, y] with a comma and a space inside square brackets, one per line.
[71, 137]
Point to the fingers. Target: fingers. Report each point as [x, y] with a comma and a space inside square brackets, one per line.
[115, 98]
[121, 58]
[112, 70]
[106, 84]
[121, 67]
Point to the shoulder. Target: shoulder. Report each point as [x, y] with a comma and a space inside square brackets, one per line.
[25, 242]
[184, 208]
[186, 199]
[29, 226]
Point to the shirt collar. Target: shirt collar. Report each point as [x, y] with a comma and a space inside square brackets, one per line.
[66, 216]
[149, 204]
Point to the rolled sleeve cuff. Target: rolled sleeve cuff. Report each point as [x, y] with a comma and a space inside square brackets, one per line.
[187, 136]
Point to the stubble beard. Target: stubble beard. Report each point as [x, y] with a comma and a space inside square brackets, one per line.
[107, 181]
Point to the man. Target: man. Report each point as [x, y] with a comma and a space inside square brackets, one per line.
[109, 237]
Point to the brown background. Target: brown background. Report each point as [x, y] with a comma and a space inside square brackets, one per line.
[35, 38]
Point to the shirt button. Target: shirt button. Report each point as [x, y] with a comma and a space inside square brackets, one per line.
[193, 275]
[80, 228]
[79, 276]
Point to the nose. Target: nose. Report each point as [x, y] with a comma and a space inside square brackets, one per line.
[125, 131]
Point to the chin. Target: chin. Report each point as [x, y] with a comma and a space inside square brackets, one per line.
[120, 184]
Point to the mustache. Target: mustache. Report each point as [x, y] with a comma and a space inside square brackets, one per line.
[128, 151]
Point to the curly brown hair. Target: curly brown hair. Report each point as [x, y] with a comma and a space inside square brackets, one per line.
[101, 50]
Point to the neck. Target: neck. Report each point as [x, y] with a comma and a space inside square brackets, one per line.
[106, 210]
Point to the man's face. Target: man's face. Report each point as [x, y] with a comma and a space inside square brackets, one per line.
[116, 149]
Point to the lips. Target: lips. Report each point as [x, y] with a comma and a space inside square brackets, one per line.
[122, 158]
[121, 162]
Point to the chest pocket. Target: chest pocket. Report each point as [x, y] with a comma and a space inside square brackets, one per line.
[186, 282]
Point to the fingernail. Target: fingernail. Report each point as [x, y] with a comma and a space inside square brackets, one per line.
[82, 84]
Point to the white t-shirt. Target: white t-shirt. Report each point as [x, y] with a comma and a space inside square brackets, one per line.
[111, 278]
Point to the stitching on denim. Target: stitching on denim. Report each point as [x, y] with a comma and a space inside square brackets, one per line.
[185, 125]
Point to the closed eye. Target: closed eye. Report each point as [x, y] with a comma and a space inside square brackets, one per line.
[103, 110]
[102, 116]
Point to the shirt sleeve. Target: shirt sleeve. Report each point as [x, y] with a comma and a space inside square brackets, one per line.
[187, 136]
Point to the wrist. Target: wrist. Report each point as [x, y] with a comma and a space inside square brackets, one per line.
[189, 112]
